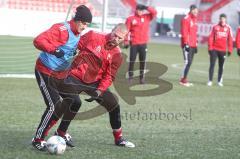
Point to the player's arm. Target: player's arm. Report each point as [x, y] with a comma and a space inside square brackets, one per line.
[238, 41]
[211, 40]
[152, 12]
[51, 39]
[185, 31]
[230, 41]
[110, 73]
[85, 39]
[127, 37]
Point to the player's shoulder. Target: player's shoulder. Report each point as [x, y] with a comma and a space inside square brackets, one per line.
[132, 16]
[186, 17]
[117, 50]
[228, 26]
[96, 34]
[216, 26]
[59, 26]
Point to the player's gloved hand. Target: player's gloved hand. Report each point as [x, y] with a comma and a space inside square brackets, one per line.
[238, 52]
[186, 48]
[59, 53]
[228, 53]
[196, 50]
[95, 96]
[126, 46]
[210, 52]
[74, 52]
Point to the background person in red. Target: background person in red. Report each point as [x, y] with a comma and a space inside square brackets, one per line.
[138, 26]
[238, 41]
[188, 42]
[220, 41]
[94, 70]
[58, 47]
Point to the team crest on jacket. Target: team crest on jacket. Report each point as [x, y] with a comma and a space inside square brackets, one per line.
[62, 28]
[98, 49]
[108, 56]
[225, 29]
[142, 20]
[134, 22]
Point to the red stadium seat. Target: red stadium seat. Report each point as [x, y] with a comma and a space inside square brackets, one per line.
[47, 5]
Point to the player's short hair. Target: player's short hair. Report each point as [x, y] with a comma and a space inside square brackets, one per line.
[222, 15]
[192, 7]
[121, 26]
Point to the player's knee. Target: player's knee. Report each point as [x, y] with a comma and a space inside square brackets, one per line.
[110, 101]
[75, 105]
[189, 63]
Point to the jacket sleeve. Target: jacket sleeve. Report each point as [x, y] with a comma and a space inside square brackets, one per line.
[230, 40]
[51, 39]
[152, 13]
[185, 31]
[110, 73]
[127, 37]
[238, 39]
[211, 39]
[84, 40]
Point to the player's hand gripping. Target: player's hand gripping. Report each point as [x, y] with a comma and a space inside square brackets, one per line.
[186, 48]
[238, 52]
[95, 96]
[59, 53]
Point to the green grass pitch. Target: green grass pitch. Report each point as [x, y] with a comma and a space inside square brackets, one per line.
[210, 128]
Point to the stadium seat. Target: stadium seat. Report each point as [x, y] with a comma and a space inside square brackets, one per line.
[48, 5]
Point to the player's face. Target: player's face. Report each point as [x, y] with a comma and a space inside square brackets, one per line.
[195, 12]
[80, 26]
[117, 37]
[223, 20]
[139, 12]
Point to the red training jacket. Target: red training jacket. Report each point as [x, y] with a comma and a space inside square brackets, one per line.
[138, 26]
[238, 38]
[49, 41]
[95, 62]
[189, 31]
[220, 38]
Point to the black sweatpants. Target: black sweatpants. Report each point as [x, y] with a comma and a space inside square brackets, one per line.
[188, 59]
[134, 50]
[108, 100]
[213, 57]
[57, 104]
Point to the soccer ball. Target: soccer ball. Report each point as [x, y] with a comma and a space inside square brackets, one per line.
[56, 145]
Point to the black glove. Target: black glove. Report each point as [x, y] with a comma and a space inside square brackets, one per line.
[59, 53]
[126, 46]
[195, 50]
[238, 52]
[209, 52]
[74, 52]
[228, 53]
[95, 96]
[186, 48]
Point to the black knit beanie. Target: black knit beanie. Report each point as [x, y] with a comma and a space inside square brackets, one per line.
[83, 14]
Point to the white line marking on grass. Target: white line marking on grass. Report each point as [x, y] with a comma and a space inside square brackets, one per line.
[178, 66]
[31, 76]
